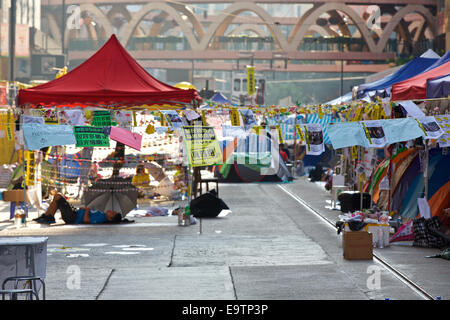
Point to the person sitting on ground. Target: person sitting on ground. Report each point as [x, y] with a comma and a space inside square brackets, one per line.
[71, 215]
[166, 187]
[141, 180]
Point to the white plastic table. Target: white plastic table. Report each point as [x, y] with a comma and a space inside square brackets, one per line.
[23, 256]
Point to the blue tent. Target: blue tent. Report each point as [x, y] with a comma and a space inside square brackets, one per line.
[444, 59]
[220, 98]
[409, 70]
[438, 87]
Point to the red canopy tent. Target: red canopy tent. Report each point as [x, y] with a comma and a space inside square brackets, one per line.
[415, 88]
[110, 78]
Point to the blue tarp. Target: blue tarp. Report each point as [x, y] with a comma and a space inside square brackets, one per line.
[409, 70]
[69, 166]
[347, 134]
[438, 87]
[220, 98]
[444, 59]
[346, 98]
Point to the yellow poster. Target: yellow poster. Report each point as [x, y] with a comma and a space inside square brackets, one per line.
[204, 123]
[280, 134]
[8, 154]
[30, 168]
[300, 132]
[250, 80]
[234, 115]
[202, 146]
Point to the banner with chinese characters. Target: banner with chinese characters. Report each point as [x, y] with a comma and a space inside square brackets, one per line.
[251, 80]
[101, 119]
[202, 146]
[87, 136]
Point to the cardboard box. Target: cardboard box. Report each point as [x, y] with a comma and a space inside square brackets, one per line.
[14, 196]
[358, 245]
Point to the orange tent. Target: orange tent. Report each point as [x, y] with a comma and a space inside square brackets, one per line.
[440, 201]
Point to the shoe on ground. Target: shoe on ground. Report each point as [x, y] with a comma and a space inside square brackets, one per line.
[46, 219]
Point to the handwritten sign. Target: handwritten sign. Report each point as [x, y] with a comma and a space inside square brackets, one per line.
[87, 136]
[126, 137]
[38, 136]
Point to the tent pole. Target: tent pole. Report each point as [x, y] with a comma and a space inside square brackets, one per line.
[295, 142]
[425, 173]
[360, 183]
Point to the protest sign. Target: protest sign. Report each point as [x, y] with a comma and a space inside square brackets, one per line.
[173, 119]
[374, 133]
[87, 136]
[38, 136]
[126, 137]
[234, 116]
[202, 147]
[314, 139]
[101, 118]
[430, 127]
[444, 123]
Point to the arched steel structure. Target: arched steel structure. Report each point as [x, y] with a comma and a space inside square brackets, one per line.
[202, 36]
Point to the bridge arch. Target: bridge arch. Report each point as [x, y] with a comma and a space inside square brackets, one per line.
[127, 32]
[398, 17]
[304, 24]
[226, 17]
[100, 17]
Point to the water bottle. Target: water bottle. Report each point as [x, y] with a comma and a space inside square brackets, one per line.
[18, 220]
[380, 236]
[187, 216]
[180, 217]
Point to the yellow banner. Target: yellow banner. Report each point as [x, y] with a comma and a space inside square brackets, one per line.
[320, 113]
[30, 168]
[250, 80]
[234, 115]
[204, 123]
[280, 134]
[358, 114]
[300, 132]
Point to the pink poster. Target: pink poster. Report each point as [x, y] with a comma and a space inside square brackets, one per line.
[128, 138]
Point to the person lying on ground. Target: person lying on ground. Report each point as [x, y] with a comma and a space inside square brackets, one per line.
[71, 215]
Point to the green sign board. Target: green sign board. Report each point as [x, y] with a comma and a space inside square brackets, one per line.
[87, 136]
[101, 119]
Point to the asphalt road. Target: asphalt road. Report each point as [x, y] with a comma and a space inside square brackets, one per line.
[270, 247]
